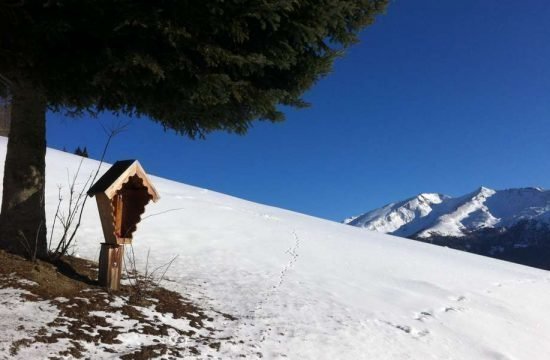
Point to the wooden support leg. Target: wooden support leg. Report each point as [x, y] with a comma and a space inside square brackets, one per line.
[110, 265]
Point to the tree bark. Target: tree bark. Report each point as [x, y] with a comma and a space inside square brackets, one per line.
[23, 216]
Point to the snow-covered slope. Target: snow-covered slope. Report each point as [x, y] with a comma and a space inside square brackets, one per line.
[433, 214]
[306, 288]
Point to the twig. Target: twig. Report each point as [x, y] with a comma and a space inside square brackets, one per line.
[36, 240]
[161, 213]
[60, 199]
[141, 284]
[77, 203]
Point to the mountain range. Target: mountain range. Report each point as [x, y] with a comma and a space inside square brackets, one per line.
[511, 224]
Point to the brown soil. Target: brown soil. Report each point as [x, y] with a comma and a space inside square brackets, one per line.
[70, 284]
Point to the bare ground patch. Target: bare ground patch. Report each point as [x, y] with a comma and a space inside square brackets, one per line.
[163, 323]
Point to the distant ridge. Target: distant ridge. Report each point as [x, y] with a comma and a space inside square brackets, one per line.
[511, 224]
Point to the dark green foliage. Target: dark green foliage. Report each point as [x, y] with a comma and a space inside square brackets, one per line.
[81, 152]
[194, 66]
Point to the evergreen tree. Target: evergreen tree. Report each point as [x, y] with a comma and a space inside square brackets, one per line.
[193, 66]
[81, 152]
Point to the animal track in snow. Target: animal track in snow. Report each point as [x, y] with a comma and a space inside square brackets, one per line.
[415, 333]
[259, 308]
[423, 315]
[457, 298]
[428, 315]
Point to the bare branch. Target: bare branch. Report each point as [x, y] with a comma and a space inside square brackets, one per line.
[77, 199]
[161, 213]
[55, 218]
[142, 284]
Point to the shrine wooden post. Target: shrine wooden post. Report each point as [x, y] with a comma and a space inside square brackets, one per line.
[121, 195]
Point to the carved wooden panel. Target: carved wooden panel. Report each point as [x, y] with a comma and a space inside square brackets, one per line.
[128, 205]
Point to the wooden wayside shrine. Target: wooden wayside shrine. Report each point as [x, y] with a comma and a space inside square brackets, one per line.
[121, 195]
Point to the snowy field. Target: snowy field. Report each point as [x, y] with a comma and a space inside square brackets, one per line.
[306, 288]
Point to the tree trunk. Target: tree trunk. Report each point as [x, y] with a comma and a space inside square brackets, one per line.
[23, 216]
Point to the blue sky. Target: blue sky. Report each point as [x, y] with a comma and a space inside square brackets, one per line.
[439, 96]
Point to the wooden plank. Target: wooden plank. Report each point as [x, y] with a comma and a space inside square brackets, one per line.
[118, 208]
[135, 200]
[134, 169]
[110, 265]
[124, 241]
[105, 209]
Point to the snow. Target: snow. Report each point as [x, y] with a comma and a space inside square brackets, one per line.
[22, 319]
[470, 209]
[394, 216]
[306, 288]
[443, 215]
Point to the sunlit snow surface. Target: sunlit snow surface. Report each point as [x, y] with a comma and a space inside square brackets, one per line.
[306, 288]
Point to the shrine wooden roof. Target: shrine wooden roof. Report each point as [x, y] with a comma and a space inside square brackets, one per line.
[118, 175]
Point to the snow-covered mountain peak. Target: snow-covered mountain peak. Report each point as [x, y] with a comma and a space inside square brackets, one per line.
[392, 217]
[485, 191]
[431, 214]
[433, 198]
